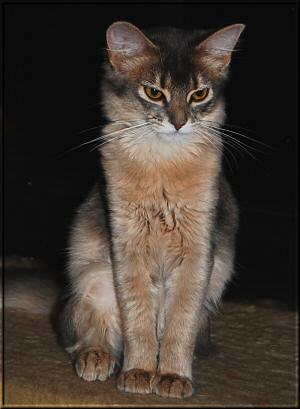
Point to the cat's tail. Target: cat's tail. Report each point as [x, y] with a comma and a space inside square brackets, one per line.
[35, 291]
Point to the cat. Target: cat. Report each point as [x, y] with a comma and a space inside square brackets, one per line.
[150, 252]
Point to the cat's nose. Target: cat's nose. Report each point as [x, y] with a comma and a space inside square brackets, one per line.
[179, 124]
[177, 117]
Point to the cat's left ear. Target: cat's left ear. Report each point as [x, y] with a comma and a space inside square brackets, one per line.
[218, 47]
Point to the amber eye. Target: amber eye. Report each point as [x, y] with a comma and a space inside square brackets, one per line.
[153, 93]
[200, 95]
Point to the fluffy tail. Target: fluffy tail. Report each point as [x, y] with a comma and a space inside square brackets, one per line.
[35, 291]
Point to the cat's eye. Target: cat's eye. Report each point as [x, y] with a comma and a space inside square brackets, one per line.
[199, 95]
[153, 93]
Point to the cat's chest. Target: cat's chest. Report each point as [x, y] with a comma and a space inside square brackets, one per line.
[163, 206]
[161, 187]
[159, 200]
[154, 216]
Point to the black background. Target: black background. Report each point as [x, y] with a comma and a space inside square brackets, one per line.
[52, 69]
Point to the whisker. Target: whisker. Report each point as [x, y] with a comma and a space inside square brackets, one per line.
[120, 50]
[244, 136]
[87, 130]
[225, 49]
[98, 126]
[230, 125]
[100, 138]
[238, 142]
[103, 143]
[238, 145]
[226, 150]
[241, 144]
[235, 144]
[217, 143]
[218, 135]
[96, 104]
[113, 133]
[240, 134]
[119, 136]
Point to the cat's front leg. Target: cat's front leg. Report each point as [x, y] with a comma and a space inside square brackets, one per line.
[140, 343]
[186, 288]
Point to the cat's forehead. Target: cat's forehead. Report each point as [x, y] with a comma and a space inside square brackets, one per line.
[176, 69]
[175, 79]
[174, 84]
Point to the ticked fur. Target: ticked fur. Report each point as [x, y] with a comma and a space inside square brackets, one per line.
[146, 270]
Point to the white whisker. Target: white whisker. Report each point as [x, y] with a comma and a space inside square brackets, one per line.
[101, 137]
[234, 143]
[217, 143]
[131, 132]
[218, 124]
[88, 129]
[237, 133]
[221, 131]
[224, 49]
[114, 132]
[238, 145]
[103, 143]
[119, 50]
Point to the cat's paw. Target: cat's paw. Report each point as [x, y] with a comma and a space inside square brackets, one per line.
[93, 363]
[172, 386]
[135, 381]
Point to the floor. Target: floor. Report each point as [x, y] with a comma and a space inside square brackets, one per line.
[252, 363]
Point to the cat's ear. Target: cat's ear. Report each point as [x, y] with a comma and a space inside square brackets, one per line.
[127, 46]
[218, 47]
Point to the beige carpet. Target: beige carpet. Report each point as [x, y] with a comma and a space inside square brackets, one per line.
[253, 363]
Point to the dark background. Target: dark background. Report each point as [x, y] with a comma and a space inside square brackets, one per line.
[52, 69]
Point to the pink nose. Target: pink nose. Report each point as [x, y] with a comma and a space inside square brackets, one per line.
[179, 124]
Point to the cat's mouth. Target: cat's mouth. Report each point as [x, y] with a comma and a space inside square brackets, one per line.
[170, 133]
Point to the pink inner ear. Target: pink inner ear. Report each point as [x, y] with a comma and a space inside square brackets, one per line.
[123, 37]
[222, 42]
[224, 39]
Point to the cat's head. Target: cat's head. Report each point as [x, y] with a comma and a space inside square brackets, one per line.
[170, 78]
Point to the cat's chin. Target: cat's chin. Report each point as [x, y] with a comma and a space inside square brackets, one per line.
[172, 136]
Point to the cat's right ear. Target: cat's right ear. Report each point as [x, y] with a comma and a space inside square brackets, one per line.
[127, 47]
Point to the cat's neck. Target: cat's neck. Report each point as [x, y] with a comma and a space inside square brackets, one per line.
[182, 179]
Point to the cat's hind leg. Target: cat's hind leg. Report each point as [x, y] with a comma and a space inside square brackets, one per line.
[91, 323]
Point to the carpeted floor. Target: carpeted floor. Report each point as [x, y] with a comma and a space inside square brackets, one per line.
[253, 362]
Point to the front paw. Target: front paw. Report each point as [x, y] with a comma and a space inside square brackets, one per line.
[135, 381]
[172, 386]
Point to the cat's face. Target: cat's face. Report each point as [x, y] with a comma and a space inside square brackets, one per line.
[171, 80]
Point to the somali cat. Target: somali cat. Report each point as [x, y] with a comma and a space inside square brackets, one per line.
[148, 264]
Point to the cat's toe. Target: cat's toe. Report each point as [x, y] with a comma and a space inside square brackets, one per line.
[93, 364]
[172, 386]
[135, 381]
